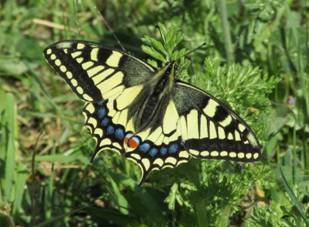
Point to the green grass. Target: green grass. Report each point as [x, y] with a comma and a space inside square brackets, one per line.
[255, 57]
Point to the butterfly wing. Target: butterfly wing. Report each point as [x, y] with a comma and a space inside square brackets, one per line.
[94, 72]
[211, 130]
[99, 75]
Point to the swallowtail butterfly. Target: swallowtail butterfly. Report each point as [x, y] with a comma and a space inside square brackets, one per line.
[148, 115]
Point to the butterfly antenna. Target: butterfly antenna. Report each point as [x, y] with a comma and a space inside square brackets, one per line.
[111, 30]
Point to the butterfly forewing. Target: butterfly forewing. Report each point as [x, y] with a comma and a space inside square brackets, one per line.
[93, 72]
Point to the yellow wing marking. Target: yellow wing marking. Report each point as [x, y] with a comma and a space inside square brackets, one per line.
[80, 46]
[80, 90]
[53, 57]
[144, 134]
[241, 155]
[210, 108]
[256, 155]
[123, 118]
[128, 96]
[170, 118]
[237, 136]
[205, 153]
[57, 62]
[183, 126]
[76, 54]
[171, 160]
[110, 83]
[221, 133]
[226, 121]
[158, 162]
[146, 163]
[248, 155]
[94, 54]
[95, 70]
[48, 51]
[115, 92]
[204, 129]
[192, 124]
[212, 130]
[130, 125]
[214, 153]
[102, 76]
[114, 58]
[155, 134]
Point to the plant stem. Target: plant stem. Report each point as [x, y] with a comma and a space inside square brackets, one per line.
[226, 31]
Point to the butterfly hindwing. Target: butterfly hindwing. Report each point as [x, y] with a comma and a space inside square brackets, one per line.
[210, 129]
[150, 149]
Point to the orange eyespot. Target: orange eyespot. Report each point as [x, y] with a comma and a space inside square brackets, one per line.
[131, 142]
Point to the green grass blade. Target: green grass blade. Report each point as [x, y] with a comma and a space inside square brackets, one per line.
[292, 196]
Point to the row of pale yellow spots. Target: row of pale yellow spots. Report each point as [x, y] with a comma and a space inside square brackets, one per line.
[159, 162]
[69, 75]
[224, 154]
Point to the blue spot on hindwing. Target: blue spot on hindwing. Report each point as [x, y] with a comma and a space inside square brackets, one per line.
[163, 150]
[153, 152]
[110, 130]
[173, 148]
[105, 122]
[102, 112]
[144, 147]
[119, 133]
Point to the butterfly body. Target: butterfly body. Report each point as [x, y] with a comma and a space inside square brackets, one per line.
[153, 98]
[148, 115]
